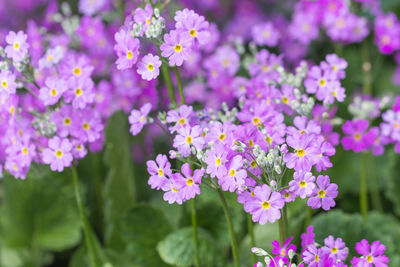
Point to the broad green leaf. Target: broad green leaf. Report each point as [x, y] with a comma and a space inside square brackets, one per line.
[142, 228]
[39, 212]
[119, 190]
[178, 248]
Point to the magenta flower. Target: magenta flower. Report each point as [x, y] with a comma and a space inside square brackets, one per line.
[191, 186]
[304, 126]
[149, 67]
[176, 47]
[311, 256]
[159, 170]
[65, 120]
[308, 237]
[17, 47]
[282, 251]
[216, 161]
[193, 25]
[8, 85]
[265, 34]
[318, 79]
[372, 255]
[58, 154]
[143, 16]
[323, 194]
[180, 117]
[264, 206]
[305, 152]
[303, 184]
[89, 126]
[81, 92]
[52, 92]
[358, 138]
[188, 137]
[336, 248]
[75, 66]
[235, 176]
[304, 27]
[138, 118]
[127, 49]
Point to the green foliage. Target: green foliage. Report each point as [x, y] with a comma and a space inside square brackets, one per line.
[142, 228]
[38, 214]
[178, 248]
[119, 191]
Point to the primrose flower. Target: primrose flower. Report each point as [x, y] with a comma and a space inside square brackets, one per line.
[235, 176]
[17, 48]
[193, 25]
[265, 205]
[336, 64]
[8, 85]
[159, 171]
[58, 154]
[127, 49]
[358, 138]
[191, 182]
[180, 117]
[265, 34]
[188, 137]
[303, 184]
[308, 237]
[138, 118]
[143, 16]
[176, 47]
[216, 160]
[323, 194]
[305, 154]
[336, 248]
[81, 92]
[149, 67]
[282, 251]
[52, 92]
[372, 255]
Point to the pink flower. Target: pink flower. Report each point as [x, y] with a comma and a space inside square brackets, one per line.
[372, 255]
[191, 183]
[159, 170]
[265, 34]
[323, 194]
[264, 206]
[336, 248]
[180, 117]
[8, 85]
[17, 48]
[305, 152]
[58, 154]
[127, 49]
[52, 92]
[81, 92]
[188, 137]
[303, 184]
[216, 160]
[193, 25]
[176, 47]
[235, 176]
[138, 118]
[149, 67]
[143, 16]
[358, 138]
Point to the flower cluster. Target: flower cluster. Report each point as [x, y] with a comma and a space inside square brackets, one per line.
[333, 253]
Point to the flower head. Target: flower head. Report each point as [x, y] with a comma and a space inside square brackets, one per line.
[149, 67]
[372, 255]
[58, 154]
[176, 47]
[138, 118]
[127, 49]
[323, 194]
[17, 47]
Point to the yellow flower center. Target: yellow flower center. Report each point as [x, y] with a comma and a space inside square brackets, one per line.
[12, 110]
[174, 189]
[357, 136]
[265, 68]
[321, 193]
[369, 258]
[256, 120]
[232, 172]
[50, 58]
[266, 34]
[178, 48]
[59, 153]
[53, 92]
[334, 68]
[334, 93]
[150, 67]
[253, 164]
[148, 21]
[283, 252]
[67, 121]
[302, 183]
[316, 258]
[285, 100]
[287, 195]
[129, 54]
[193, 32]
[385, 39]
[251, 143]
[79, 147]
[16, 46]
[86, 126]
[268, 139]
[4, 84]
[305, 27]
[189, 140]
[334, 250]
[189, 181]
[182, 121]
[225, 62]
[322, 82]
[25, 151]
[300, 152]
[77, 71]
[396, 125]
[266, 205]
[222, 136]
[160, 173]
[218, 161]
[78, 91]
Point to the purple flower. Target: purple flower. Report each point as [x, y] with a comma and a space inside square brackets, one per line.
[17, 47]
[358, 138]
[304, 27]
[308, 237]
[180, 117]
[81, 92]
[304, 126]
[65, 120]
[235, 176]
[191, 186]
[58, 154]
[52, 92]
[265, 34]
[193, 25]
[176, 47]
[264, 206]
[387, 33]
[372, 255]
[391, 125]
[303, 184]
[8, 85]
[127, 49]
[323, 194]
[149, 67]
[88, 127]
[75, 66]
[326, 150]
[282, 251]
[216, 161]
[305, 152]
[336, 248]
[336, 64]
[188, 137]
[143, 16]
[159, 170]
[317, 79]
[90, 7]
[173, 193]
[138, 118]
[311, 256]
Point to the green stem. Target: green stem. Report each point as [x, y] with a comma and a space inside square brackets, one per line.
[366, 68]
[179, 82]
[252, 239]
[84, 220]
[376, 200]
[363, 188]
[230, 225]
[281, 231]
[168, 82]
[309, 216]
[195, 238]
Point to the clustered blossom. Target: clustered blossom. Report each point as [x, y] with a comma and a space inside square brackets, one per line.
[333, 253]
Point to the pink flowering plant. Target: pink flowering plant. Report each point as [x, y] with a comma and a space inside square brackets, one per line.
[199, 133]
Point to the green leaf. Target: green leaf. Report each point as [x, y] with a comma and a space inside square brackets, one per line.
[119, 190]
[39, 212]
[142, 228]
[178, 248]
